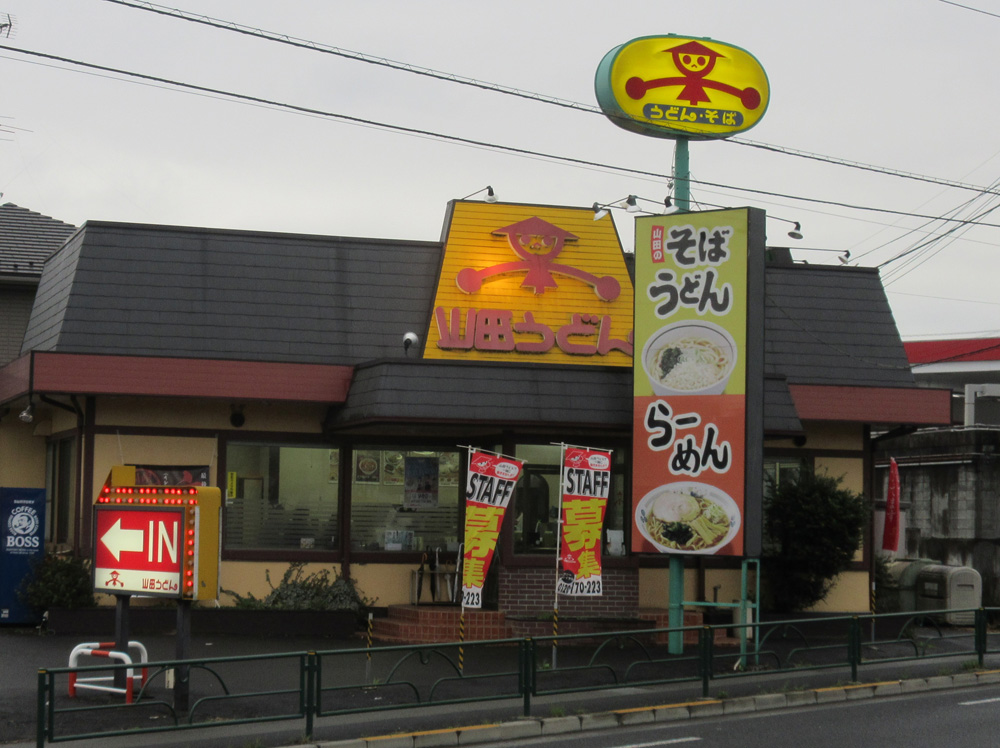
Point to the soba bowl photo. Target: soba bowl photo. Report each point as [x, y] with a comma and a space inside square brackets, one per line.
[688, 517]
[689, 358]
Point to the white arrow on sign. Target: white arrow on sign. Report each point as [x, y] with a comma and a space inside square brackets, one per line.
[118, 540]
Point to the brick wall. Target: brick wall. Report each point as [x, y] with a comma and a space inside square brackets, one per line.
[530, 591]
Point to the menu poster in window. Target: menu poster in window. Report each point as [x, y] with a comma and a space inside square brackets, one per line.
[171, 475]
[392, 468]
[586, 484]
[334, 465]
[448, 465]
[489, 486]
[420, 487]
[366, 466]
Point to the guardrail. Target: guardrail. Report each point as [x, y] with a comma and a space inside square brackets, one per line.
[313, 684]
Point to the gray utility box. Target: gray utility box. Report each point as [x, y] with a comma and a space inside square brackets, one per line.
[922, 584]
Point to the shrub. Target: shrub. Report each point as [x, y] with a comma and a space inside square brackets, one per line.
[298, 590]
[814, 528]
[58, 582]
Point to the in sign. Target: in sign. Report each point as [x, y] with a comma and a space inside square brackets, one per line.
[138, 550]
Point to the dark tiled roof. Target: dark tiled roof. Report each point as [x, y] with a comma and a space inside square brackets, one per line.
[832, 325]
[27, 239]
[198, 293]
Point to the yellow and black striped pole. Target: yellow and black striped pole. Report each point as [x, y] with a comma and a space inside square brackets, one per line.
[368, 653]
[461, 640]
[555, 634]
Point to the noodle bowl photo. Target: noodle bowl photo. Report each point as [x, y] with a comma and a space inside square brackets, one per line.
[688, 517]
[689, 358]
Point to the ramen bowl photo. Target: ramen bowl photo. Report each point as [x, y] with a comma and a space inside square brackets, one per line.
[689, 358]
[688, 517]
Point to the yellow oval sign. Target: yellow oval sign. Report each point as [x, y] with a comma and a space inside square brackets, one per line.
[682, 87]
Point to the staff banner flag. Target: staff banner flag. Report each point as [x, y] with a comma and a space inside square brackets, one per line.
[890, 531]
[489, 487]
[585, 488]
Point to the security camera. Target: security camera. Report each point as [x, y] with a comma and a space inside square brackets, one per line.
[410, 339]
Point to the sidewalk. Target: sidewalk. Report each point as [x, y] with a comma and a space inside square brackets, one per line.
[23, 652]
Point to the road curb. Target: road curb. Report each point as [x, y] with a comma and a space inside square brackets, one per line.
[528, 727]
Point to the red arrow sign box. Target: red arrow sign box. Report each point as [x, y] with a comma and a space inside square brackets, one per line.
[138, 550]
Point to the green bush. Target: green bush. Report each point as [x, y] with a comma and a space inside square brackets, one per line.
[58, 582]
[298, 590]
[813, 529]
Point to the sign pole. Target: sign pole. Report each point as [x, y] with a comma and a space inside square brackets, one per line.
[682, 199]
[555, 605]
[682, 175]
[182, 675]
[122, 634]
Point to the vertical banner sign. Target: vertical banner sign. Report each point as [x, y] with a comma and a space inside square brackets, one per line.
[489, 487]
[698, 382]
[585, 487]
[22, 544]
[890, 531]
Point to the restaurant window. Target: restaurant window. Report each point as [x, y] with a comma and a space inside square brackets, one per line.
[61, 490]
[404, 499]
[285, 497]
[536, 502]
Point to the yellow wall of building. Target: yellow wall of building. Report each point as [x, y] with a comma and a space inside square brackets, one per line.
[383, 584]
[22, 456]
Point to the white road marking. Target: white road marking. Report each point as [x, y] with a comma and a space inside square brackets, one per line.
[674, 741]
[980, 701]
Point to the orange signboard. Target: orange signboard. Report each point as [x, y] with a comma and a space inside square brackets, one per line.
[682, 87]
[697, 381]
[531, 283]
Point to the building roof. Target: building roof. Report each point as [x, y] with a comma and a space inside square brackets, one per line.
[127, 290]
[124, 289]
[960, 350]
[832, 325]
[27, 239]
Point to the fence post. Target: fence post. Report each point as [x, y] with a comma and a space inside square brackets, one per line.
[981, 635]
[706, 642]
[527, 671]
[41, 712]
[854, 646]
[312, 691]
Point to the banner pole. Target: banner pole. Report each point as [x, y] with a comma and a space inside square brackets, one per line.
[555, 605]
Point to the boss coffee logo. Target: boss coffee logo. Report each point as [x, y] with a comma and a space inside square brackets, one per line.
[23, 526]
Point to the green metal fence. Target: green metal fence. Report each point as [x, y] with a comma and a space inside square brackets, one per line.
[308, 685]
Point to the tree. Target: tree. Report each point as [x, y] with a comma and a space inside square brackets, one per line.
[813, 529]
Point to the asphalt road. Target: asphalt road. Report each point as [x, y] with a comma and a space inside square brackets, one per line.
[961, 717]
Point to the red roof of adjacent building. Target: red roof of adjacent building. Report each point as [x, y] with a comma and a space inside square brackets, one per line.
[948, 351]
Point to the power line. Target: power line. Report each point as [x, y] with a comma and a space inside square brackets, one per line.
[507, 90]
[969, 7]
[471, 142]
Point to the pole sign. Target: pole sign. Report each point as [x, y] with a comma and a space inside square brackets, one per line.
[156, 541]
[681, 87]
[22, 545]
[698, 383]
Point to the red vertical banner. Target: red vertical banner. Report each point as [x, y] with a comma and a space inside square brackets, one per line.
[585, 487]
[489, 487]
[890, 531]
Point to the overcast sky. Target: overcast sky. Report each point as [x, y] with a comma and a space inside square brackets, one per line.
[903, 85]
